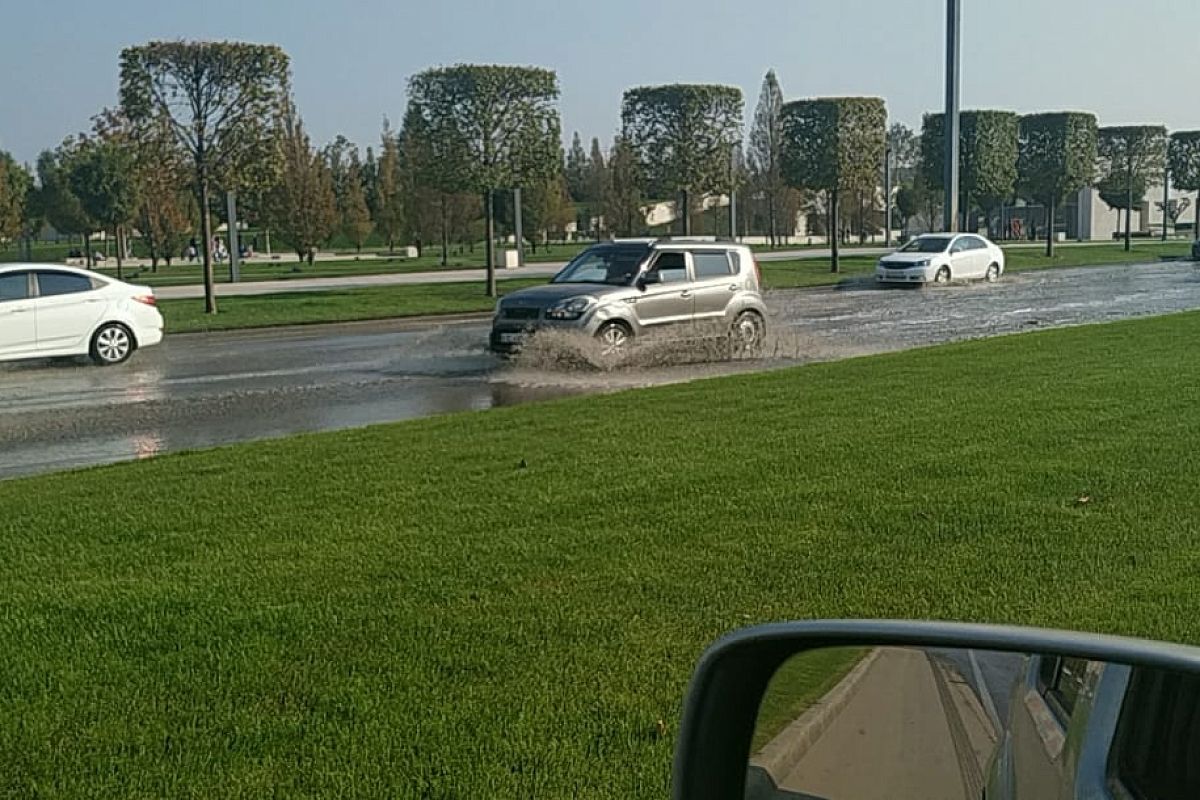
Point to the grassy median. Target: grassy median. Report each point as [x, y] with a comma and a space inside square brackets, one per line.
[509, 603]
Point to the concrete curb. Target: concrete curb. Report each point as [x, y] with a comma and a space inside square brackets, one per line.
[781, 755]
[398, 323]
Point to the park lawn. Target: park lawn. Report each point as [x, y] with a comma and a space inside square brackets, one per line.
[344, 305]
[461, 607]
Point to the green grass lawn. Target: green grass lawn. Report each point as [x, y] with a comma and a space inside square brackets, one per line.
[404, 611]
[376, 302]
[800, 682]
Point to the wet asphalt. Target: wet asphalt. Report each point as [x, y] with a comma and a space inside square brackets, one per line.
[209, 389]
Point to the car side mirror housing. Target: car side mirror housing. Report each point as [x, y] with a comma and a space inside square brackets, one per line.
[649, 279]
[808, 710]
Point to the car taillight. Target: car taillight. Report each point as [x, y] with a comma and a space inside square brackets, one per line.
[146, 299]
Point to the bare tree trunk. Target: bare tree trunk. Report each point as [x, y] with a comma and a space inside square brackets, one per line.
[88, 261]
[210, 295]
[1128, 215]
[687, 212]
[1050, 229]
[489, 212]
[444, 230]
[120, 250]
[834, 266]
[771, 216]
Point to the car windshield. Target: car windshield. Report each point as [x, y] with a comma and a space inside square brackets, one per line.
[926, 244]
[614, 266]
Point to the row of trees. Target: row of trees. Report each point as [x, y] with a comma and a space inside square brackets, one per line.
[199, 120]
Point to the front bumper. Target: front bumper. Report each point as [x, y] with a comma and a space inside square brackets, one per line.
[509, 336]
[913, 275]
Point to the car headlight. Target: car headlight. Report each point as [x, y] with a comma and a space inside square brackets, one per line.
[924, 262]
[573, 308]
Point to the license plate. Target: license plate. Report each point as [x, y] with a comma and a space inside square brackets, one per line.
[512, 338]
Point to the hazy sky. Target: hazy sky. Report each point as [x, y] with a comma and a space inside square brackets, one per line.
[350, 60]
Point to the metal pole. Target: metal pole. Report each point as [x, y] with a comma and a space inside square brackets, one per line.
[953, 41]
[235, 271]
[517, 227]
[887, 194]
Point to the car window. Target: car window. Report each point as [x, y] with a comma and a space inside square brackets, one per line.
[977, 243]
[670, 268]
[926, 244]
[55, 283]
[711, 264]
[610, 265]
[14, 286]
[960, 245]
[1158, 736]
[1060, 681]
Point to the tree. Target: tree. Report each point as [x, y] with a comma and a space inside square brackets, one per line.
[765, 155]
[1132, 157]
[906, 151]
[1183, 159]
[303, 205]
[598, 186]
[491, 127]
[577, 171]
[833, 145]
[908, 204]
[370, 179]
[59, 203]
[623, 205]
[164, 210]
[103, 175]
[683, 136]
[1056, 158]
[987, 157]
[221, 101]
[354, 215]
[389, 216]
[15, 184]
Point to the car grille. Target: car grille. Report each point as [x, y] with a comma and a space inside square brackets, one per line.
[521, 312]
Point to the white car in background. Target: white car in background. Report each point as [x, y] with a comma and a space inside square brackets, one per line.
[941, 258]
[49, 311]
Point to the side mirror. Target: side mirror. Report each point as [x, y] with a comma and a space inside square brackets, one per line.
[648, 279]
[907, 710]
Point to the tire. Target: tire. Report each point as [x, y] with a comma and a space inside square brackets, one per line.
[613, 340]
[993, 273]
[943, 276]
[112, 344]
[748, 335]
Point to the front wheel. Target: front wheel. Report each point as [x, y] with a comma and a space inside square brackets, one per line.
[993, 273]
[614, 340]
[942, 276]
[112, 344]
[748, 335]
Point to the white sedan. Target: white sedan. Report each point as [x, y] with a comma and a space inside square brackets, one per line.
[941, 258]
[48, 311]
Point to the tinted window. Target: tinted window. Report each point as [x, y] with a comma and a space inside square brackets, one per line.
[926, 244]
[711, 264]
[611, 265]
[671, 268]
[52, 283]
[1155, 750]
[1060, 681]
[14, 286]
[975, 243]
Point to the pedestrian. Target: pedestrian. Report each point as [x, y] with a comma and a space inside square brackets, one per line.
[191, 250]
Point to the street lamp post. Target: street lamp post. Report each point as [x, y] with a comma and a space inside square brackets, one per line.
[887, 193]
[953, 42]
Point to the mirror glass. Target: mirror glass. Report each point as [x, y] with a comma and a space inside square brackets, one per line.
[855, 723]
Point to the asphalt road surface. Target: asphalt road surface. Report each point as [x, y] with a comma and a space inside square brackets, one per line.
[202, 390]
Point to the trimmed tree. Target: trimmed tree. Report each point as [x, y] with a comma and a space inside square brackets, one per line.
[221, 100]
[988, 151]
[1183, 159]
[623, 214]
[1056, 158]
[491, 127]
[389, 216]
[1131, 158]
[834, 145]
[683, 136]
[15, 183]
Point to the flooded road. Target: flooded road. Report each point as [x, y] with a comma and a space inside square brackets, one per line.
[203, 390]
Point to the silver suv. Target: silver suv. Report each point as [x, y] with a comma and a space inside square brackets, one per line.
[625, 289]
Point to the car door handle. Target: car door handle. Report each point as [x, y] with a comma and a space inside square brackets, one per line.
[685, 294]
[20, 310]
[733, 287]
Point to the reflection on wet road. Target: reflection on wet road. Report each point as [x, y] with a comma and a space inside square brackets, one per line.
[203, 390]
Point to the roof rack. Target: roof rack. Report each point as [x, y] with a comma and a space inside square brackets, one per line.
[696, 239]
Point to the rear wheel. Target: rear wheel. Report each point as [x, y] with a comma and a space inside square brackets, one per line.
[112, 344]
[993, 273]
[942, 276]
[748, 335]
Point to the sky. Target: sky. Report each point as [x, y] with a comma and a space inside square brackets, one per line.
[351, 59]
